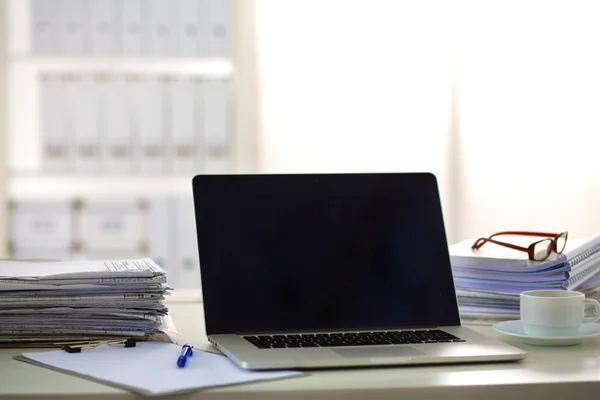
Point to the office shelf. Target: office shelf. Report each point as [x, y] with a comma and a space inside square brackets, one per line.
[212, 67]
[22, 174]
[31, 186]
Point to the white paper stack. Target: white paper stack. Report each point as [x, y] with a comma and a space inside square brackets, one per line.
[57, 302]
[489, 281]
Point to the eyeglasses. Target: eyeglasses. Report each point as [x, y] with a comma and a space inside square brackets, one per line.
[537, 251]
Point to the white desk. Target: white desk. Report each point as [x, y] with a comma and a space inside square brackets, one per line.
[547, 373]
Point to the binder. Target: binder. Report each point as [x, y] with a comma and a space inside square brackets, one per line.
[183, 135]
[110, 227]
[186, 244]
[84, 102]
[159, 234]
[45, 25]
[203, 18]
[71, 29]
[199, 122]
[149, 116]
[103, 26]
[161, 27]
[132, 27]
[216, 127]
[135, 111]
[56, 127]
[220, 27]
[187, 27]
[117, 146]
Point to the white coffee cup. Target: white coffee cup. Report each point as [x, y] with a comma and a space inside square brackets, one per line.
[556, 312]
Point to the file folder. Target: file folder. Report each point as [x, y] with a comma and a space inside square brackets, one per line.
[203, 17]
[161, 26]
[118, 151]
[56, 125]
[220, 27]
[149, 119]
[71, 29]
[133, 38]
[199, 122]
[187, 27]
[45, 25]
[103, 28]
[216, 127]
[183, 135]
[83, 98]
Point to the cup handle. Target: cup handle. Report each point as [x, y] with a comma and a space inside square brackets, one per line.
[596, 316]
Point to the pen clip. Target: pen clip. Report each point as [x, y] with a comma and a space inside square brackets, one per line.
[78, 348]
[187, 350]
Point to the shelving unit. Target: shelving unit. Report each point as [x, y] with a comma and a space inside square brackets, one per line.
[21, 172]
[28, 185]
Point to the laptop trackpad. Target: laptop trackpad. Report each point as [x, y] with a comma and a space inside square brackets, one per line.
[379, 351]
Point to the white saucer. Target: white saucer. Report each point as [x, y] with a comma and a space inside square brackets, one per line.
[515, 329]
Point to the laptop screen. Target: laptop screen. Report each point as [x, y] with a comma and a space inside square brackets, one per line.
[322, 252]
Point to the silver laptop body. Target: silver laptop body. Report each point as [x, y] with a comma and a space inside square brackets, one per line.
[331, 270]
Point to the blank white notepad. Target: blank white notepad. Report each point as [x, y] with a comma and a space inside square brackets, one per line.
[150, 368]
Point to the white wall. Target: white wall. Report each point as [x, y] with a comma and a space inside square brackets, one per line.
[530, 126]
[346, 88]
[366, 86]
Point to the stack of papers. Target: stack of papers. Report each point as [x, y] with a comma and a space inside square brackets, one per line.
[489, 281]
[67, 301]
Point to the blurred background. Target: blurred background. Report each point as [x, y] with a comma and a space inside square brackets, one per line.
[108, 108]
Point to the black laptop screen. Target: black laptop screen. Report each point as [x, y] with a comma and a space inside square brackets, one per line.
[322, 252]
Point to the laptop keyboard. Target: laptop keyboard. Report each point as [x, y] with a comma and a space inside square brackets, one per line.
[352, 339]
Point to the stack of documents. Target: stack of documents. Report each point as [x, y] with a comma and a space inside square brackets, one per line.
[68, 301]
[489, 281]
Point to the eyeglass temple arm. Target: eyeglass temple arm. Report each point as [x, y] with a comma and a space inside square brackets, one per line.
[525, 233]
[481, 241]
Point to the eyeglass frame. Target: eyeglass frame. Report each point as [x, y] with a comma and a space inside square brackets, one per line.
[552, 237]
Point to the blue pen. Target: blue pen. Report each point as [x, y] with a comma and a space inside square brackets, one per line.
[186, 351]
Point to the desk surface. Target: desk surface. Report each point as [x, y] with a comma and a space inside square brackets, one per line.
[551, 372]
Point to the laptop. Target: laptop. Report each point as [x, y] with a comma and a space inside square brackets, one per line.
[331, 270]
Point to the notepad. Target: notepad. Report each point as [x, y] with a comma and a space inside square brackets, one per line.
[150, 368]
